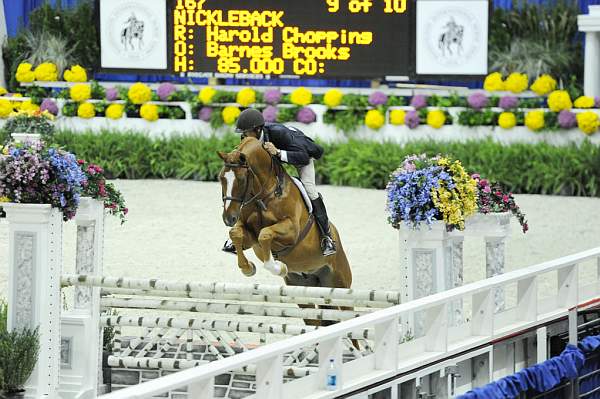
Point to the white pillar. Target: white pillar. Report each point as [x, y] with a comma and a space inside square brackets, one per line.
[34, 261]
[81, 333]
[590, 24]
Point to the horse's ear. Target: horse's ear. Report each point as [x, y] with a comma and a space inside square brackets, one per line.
[242, 158]
[222, 155]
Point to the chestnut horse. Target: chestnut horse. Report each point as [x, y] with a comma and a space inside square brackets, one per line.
[266, 212]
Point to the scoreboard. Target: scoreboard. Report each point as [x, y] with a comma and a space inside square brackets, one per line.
[285, 38]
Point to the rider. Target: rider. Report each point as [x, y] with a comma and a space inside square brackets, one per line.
[291, 146]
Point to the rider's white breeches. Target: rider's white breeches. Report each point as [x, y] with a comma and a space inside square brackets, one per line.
[307, 176]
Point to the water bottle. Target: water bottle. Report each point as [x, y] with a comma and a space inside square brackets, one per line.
[332, 382]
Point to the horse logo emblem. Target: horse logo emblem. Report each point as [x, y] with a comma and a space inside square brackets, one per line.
[133, 32]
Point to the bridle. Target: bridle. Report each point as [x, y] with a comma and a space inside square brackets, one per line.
[250, 177]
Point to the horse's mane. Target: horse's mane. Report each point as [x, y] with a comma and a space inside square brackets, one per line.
[252, 148]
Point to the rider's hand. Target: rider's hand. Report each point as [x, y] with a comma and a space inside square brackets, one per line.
[271, 149]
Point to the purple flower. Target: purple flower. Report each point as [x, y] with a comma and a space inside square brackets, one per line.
[377, 98]
[165, 90]
[270, 114]
[112, 94]
[205, 113]
[596, 102]
[418, 101]
[306, 115]
[412, 119]
[477, 100]
[272, 96]
[50, 106]
[567, 119]
[508, 102]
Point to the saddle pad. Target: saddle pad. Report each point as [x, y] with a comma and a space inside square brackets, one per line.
[304, 193]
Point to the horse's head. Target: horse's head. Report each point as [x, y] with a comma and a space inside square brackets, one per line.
[235, 178]
[241, 176]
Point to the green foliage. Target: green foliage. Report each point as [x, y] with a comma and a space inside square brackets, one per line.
[521, 168]
[26, 124]
[287, 114]
[222, 96]
[537, 38]
[216, 118]
[18, 356]
[472, 117]
[347, 120]
[3, 318]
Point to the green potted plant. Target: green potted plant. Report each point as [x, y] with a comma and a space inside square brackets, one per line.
[18, 356]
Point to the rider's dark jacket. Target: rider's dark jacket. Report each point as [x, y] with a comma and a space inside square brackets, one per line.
[297, 149]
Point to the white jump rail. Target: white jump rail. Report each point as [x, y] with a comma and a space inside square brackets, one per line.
[390, 359]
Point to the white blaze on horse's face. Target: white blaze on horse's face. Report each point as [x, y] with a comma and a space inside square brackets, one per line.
[229, 179]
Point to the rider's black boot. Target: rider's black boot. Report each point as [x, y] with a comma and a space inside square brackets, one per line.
[327, 242]
[229, 247]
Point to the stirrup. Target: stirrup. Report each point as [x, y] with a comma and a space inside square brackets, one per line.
[328, 246]
[229, 248]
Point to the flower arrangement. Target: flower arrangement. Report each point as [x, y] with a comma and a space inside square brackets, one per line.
[412, 119]
[492, 198]
[165, 90]
[46, 72]
[397, 117]
[81, 92]
[149, 112]
[534, 120]
[543, 85]
[31, 174]
[205, 114]
[436, 118]
[374, 119]
[301, 96]
[24, 73]
[98, 188]
[230, 114]
[494, 82]
[378, 98]
[418, 101]
[507, 120]
[114, 111]
[246, 97]
[306, 115]
[50, 106]
[333, 98]
[427, 189]
[270, 114]
[86, 110]
[478, 101]
[206, 95]
[516, 82]
[139, 93]
[559, 100]
[37, 122]
[272, 96]
[75, 74]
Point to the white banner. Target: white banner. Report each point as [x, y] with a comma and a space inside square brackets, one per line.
[133, 34]
[452, 37]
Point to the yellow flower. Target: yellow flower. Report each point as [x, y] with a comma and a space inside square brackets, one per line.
[149, 112]
[6, 108]
[206, 95]
[436, 119]
[5, 199]
[75, 74]
[16, 104]
[517, 82]
[543, 85]
[397, 117]
[3, 91]
[493, 82]
[559, 100]
[507, 120]
[588, 122]
[81, 92]
[245, 97]
[114, 111]
[584, 102]
[24, 73]
[86, 110]
[333, 98]
[230, 114]
[534, 120]
[46, 72]
[29, 107]
[301, 96]
[139, 93]
[374, 119]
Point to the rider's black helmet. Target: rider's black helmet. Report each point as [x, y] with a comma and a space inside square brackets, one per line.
[249, 119]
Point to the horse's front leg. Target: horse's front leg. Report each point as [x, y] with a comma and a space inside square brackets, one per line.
[284, 232]
[241, 240]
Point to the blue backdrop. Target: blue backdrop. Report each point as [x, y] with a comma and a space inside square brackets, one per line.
[17, 12]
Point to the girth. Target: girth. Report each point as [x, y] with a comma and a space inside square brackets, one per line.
[286, 250]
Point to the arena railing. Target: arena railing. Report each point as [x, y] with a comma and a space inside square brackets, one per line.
[393, 357]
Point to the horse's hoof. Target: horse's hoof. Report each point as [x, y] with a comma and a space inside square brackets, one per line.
[284, 270]
[252, 271]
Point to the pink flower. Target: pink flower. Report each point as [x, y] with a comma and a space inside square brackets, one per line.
[487, 189]
[505, 198]
[125, 211]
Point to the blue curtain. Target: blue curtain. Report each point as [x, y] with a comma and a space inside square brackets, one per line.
[17, 12]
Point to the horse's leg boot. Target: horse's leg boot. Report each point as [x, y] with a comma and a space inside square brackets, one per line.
[327, 242]
[229, 247]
